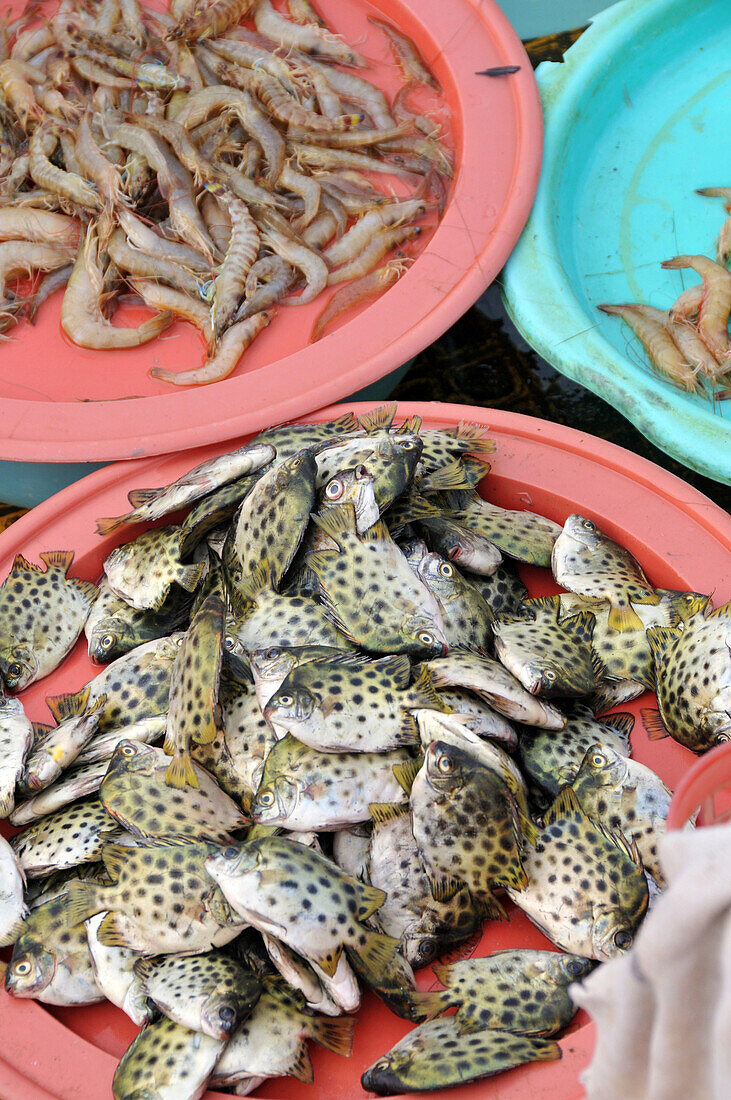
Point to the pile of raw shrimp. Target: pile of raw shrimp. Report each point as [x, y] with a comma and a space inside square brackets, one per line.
[208, 168]
[689, 343]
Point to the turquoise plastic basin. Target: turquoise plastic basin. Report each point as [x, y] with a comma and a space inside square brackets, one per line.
[636, 119]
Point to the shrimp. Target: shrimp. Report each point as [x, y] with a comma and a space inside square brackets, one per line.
[255, 57]
[160, 297]
[141, 264]
[284, 106]
[716, 303]
[268, 280]
[211, 21]
[68, 185]
[96, 74]
[246, 189]
[217, 221]
[231, 347]
[649, 325]
[19, 258]
[303, 12]
[352, 139]
[687, 304]
[312, 266]
[358, 92]
[723, 248]
[16, 81]
[106, 176]
[81, 314]
[107, 17]
[31, 42]
[143, 73]
[307, 188]
[141, 236]
[242, 250]
[352, 243]
[41, 226]
[175, 184]
[321, 157]
[361, 290]
[177, 137]
[403, 114]
[407, 56]
[320, 231]
[381, 244]
[132, 21]
[310, 38]
[429, 153]
[48, 285]
[695, 352]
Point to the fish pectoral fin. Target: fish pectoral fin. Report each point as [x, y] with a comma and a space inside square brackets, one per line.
[622, 619]
[383, 812]
[68, 705]
[622, 722]
[566, 805]
[654, 724]
[405, 774]
[375, 955]
[301, 1065]
[335, 1035]
[444, 889]
[188, 577]
[13, 932]
[528, 830]
[109, 934]
[660, 637]
[139, 497]
[432, 1003]
[328, 962]
[370, 898]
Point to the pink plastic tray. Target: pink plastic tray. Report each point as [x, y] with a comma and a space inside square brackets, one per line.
[59, 403]
[681, 538]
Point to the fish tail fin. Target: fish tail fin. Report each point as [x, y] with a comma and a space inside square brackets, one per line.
[58, 559]
[475, 433]
[375, 954]
[138, 497]
[426, 693]
[432, 1003]
[451, 476]
[189, 576]
[333, 1034]
[107, 525]
[66, 706]
[82, 901]
[547, 1052]
[622, 619]
[180, 771]
[654, 724]
[379, 419]
[370, 898]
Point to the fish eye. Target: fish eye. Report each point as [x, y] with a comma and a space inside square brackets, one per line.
[575, 967]
[127, 750]
[226, 1013]
[229, 642]
[23, 967]
[334, 489]
[296, 462]
[427, 949]
[107, 641]
[407, 445]
[231, 852]
[444, 763]
[382, 1063]
[15, 670]
[622, 939]
[271, 653]
[285, 700]
[549, 675]
[266, 798]
[425, 637]
[446, 569]
[588, 525]
[598, 760]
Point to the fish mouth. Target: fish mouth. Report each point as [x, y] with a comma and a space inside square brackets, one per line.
[382, 1080]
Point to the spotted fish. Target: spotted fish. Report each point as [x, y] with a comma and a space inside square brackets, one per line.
[275, 884]
[467, 616]
[288, 439]
[135, 794]
[42, 613]
[552, 760]
[211, 993]
[271, 666]
[371, 594]
[522, 991]
[435, 1055]
[193, 711]
[16, 739]
[693, 675]
[13, 908]
[51, 960]
[503, 590]
[68, 838]
[115, 976]
[389, 459]
[624, 794]
[113, 628]
[589, 563]
[586, 888]
[159, 900]
[352, 704]
[549, 655]
[166, 1060]
[467, 825]
[151, 504]
[142, 572]
[522, 535]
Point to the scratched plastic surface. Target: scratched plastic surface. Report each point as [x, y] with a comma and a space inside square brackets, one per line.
[635, 119]
[680, 537]
[60, 403]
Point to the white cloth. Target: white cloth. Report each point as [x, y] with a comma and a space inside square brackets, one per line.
[663, 1012]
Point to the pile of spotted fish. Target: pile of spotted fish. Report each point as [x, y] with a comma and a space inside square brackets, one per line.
[331, 736]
